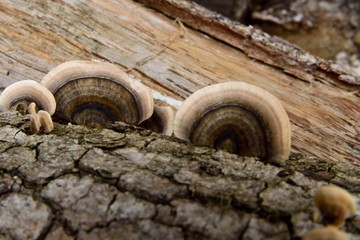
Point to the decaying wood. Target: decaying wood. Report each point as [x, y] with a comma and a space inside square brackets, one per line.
[257, 44]
[130, 183]
[328, 29]
[125, 181]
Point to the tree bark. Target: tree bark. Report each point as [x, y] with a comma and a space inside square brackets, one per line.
[129, 183]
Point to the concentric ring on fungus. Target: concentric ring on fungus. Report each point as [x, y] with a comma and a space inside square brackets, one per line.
[236, 117]
[24, 92]
[97, 93]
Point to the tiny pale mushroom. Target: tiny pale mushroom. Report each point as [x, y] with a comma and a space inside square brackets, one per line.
[326, 233]
[32, 108]
[2, 108]
[40, 121]
[47, 124]
[335, 205]
[35, 124]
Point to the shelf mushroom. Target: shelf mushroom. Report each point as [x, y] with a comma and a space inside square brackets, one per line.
[326, 233]
[96, 94]
[2, 108]
[236, 117]
[335, 204]
[162, 120]
[19, 95]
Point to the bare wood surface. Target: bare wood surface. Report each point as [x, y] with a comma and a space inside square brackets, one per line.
[324, 110]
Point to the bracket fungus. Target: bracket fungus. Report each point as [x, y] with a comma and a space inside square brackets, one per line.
[97, 94]
[162, 120]
[335, 205]
[19, 95]
[326, 233]
[2, 108]
[236, 117]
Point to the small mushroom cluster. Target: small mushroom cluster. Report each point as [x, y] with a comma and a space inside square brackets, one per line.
[88, 93]
[234, 116]
[335, 205]
[26, 97]
[39, 121]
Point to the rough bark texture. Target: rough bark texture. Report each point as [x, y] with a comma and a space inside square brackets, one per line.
[131, 183]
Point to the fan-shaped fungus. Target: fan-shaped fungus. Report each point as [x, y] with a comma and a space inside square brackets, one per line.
[97, 93]
[20, 94]
[236, 117]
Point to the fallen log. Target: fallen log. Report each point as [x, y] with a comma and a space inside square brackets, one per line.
[125, 181]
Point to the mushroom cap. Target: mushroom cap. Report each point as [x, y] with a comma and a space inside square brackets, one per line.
[35, 123]
[47, 124]
[25, 92]
[98, 93]
[335, 204]
[236, 117]
[326, 233]
[31, 108]
[162, 120]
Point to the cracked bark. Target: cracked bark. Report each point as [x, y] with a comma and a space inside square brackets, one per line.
[131, 183]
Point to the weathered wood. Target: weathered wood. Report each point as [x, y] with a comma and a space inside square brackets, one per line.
[35, 36]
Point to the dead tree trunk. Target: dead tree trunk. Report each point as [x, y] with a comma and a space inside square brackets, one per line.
[130, 183]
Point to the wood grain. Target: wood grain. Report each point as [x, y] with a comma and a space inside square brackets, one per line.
[35, 36]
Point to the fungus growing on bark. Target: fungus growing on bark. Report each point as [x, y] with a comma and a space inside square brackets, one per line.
[236, 117]
[35, 124]
[335, 205]
[31, 108]
[97, 94]
[47, 124]
[19, 95]
[39, 121]
[326, 233]
[162, 120]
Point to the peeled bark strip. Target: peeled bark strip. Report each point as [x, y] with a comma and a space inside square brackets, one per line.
[132, 183]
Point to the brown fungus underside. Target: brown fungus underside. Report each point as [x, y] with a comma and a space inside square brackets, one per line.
[236, 117]
[97, 94]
